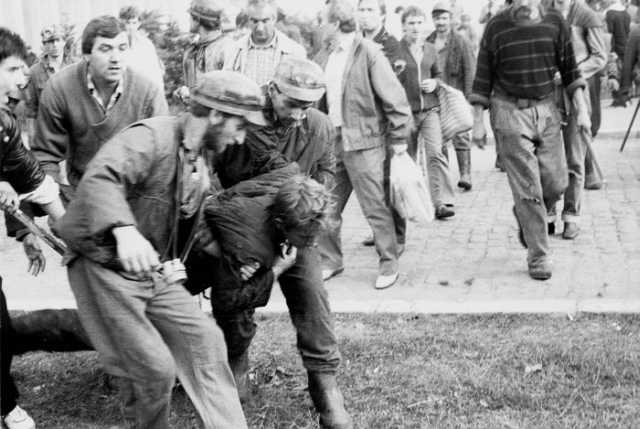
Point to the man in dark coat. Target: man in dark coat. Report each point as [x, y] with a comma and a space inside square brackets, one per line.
[301, 134]
[20, 175]
[458, 66]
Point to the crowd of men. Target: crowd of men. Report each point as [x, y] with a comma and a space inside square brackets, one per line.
[289, 138]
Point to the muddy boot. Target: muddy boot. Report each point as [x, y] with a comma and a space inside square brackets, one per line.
[240, 369]
[464, 165]
[328, 401]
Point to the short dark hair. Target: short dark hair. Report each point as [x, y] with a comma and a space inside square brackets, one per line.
[11, 45]
[343, 13]
[412, 11]
[242, 19]
[102, 26]
[129, 12]
[381, 3]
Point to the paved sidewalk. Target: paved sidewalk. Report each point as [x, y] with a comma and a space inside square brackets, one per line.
[471, 263]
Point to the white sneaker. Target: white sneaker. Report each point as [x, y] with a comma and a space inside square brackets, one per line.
[19, 419]
[383, 282]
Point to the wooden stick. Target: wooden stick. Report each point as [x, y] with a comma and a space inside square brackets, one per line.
[44, 235]
[586, 138]
[630, 125]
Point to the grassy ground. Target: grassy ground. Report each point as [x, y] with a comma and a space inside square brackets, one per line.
[408, 371]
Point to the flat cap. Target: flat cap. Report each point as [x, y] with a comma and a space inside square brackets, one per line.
[231, 93]
[300, 79]
[441, 7]
[51, 32]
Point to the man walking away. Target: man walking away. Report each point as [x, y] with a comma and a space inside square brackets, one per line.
[521, 50]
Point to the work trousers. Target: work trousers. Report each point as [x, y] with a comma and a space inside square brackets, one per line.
[533, 156]
[427, 132]
[361, 171]
[147, 332]
[308, 304]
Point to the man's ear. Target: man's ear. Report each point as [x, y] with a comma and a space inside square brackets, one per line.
[216, 117]
[271, 90]
[278, 223]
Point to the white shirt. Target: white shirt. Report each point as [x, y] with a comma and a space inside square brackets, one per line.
[334, 72]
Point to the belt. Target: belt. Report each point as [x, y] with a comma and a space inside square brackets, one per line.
[523, 103]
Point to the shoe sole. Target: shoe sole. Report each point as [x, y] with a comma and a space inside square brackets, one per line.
[540, 276]
[446, 215]
[333, 274]
[376, 287]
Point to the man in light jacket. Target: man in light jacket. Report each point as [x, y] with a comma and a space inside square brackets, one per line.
[374, 107]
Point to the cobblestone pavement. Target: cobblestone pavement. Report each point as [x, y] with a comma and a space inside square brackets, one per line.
[471, 263]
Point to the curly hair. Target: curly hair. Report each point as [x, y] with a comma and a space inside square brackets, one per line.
[11, 45]
[302, 204]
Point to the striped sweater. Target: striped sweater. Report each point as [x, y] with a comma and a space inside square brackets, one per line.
[521, 59]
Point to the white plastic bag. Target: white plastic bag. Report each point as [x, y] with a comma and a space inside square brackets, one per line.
[409, 193]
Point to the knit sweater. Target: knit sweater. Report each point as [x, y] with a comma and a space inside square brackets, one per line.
[72, 125]
[521, 59]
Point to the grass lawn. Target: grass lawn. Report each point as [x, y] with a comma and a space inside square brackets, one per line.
[398, 371]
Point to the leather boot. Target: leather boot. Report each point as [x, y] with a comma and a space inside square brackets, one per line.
[464, 165]
[240, 369]
[328, 401]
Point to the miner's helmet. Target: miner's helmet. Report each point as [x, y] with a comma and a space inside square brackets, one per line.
[51, 32]
[232, 93]
[300, 79]
[206, 9]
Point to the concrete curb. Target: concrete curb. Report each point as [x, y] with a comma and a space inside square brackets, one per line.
[541, 306]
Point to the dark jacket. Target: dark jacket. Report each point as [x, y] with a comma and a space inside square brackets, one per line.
[18, 166]
[390, 45]
[240, 221]
[310, 145]
[415, 73]
[458, 64]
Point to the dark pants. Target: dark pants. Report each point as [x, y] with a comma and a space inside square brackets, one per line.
[308, 304]
[594, 83]
[399, 222]
[8, 387]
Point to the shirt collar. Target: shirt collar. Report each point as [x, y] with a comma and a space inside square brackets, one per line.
[116, 94]
[210, 37]
[347, 42]
[271, 44]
